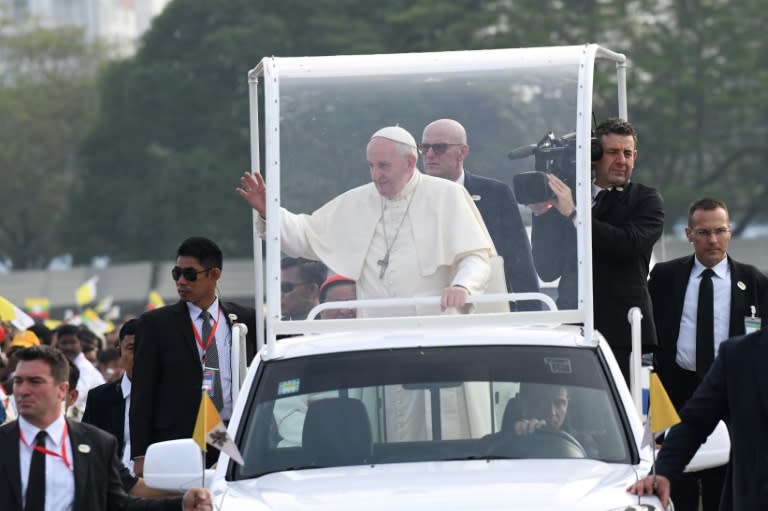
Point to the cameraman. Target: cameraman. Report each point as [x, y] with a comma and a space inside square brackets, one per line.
[627, 219]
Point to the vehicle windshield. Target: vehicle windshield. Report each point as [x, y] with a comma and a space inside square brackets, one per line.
[431, 404]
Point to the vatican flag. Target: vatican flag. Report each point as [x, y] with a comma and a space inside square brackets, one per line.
[86, 293]
[17, 317]
[209, 429]
[662, 412]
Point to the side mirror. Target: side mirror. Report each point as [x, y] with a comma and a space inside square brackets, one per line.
[175, 465]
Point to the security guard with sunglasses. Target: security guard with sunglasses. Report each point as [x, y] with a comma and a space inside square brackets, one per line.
[184, 346]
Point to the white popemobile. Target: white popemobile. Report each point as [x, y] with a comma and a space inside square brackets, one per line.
[490, 410]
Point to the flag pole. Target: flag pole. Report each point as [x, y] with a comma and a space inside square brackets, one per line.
[204, 449]
[653, 449]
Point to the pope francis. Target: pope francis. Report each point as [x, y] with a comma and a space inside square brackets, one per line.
[405, 234]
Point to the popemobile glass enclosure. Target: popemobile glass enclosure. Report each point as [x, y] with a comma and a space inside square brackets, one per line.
[314, 116]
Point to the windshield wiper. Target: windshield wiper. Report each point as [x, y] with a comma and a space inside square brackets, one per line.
[483, 457]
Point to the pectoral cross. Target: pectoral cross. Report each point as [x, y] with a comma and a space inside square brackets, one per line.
[384, 262]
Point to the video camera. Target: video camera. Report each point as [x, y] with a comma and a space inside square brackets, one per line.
[555, 155]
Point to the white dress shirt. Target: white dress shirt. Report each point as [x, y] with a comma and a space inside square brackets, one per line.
[721, 287]
[59, 478]
[223, 345]
[89, 377]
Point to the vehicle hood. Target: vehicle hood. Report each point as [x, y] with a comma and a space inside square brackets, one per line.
[454, 485]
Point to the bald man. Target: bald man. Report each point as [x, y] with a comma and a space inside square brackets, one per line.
[405, 234]
[443, 149]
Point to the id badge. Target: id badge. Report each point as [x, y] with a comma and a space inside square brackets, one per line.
[208, 376]
[751, 324]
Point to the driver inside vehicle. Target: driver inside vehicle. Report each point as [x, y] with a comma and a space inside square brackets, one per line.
[536, 406]
[544, 407]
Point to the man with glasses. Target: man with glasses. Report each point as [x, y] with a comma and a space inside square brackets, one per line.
[183, 347]
[300, 281]
[405, 234]
[443, 150]
[736, 303]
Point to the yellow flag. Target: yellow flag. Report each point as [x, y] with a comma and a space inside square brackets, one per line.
[53, 324]
[209, 429]
[154, 300]
[7, 310]
[662, 411]
[19, 318]
[90, 314]
[86, 293]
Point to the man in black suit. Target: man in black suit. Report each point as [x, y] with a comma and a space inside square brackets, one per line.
[627, 220]
[734, 390]
[43, 450]
[740, 291]
[444, 148]
[179, 350]
[107, 405]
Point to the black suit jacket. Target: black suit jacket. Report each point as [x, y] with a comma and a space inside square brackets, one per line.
[667, 285]
[735, 390]
[97, 481]
[168, 375]
[105, 409]
[625, 226]
[498, 207]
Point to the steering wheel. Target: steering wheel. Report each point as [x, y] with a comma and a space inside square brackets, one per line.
[546, 442]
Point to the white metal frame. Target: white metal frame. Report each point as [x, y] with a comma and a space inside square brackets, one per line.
[273, 68]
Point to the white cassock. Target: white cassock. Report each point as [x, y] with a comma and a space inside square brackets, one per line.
[433, 229]
[436, 238]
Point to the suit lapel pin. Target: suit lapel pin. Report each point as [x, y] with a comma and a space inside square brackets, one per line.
[741, 285]
[84, 448]
[619, 188]
[476, 198]
[232, 318]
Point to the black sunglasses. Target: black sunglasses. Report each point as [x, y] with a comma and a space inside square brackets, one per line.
[437, 148]
[189, 274]
[287, 287]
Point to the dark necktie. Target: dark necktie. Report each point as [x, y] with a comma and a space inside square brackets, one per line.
[599, 197]
[705, 324]
[36, 482]
[212, 360]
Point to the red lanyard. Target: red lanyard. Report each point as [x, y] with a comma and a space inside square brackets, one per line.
[48, 452]
[211, 337]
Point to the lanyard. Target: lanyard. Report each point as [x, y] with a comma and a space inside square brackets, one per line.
[211, 337]
[48, 452]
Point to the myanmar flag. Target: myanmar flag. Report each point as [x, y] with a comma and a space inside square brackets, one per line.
[38, 307]
[155, 301]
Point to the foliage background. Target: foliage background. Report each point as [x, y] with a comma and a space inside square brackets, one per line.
[127, 161]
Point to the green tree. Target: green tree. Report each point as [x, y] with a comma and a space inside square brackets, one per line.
[164, 158]
[701, 102]
[48, 100]
[173, 135]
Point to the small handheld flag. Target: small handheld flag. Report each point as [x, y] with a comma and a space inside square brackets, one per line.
[662, 412]
[86, 293]
[209, 429]
[19, 318]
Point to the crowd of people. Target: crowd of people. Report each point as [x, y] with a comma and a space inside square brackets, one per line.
[142, 384]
